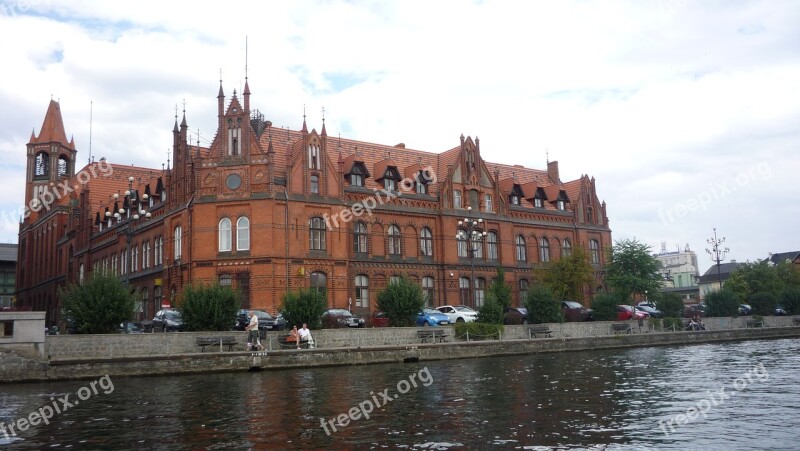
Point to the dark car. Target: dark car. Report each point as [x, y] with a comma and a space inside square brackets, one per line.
[265, 320]
[339, 317]
[516, 315]
[168, 320]
[652, 311]
[780, 311]
[574, 311]
[745, 309]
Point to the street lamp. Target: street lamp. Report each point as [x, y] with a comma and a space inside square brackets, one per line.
[469, 231]
[717, 254]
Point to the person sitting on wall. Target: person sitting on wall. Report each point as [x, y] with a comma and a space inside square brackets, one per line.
[305, 336]
[293, 336]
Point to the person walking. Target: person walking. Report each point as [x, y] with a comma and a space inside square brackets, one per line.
[252, 332]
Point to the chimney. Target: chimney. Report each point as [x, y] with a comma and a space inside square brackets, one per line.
[552, 171]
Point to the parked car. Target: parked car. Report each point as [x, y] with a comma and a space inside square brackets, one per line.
[339, 317]
[265, 320]
[690, 311]
[651, 311]
[379, 319]
[130, 327]
[168, 320]
[430, 317]
[516, 315]
[745, 309]
[780, 310]
[646, 304]
[458, 313]
[626, 312]
[574, 311]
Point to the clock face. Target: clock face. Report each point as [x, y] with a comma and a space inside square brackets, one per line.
[233, 181]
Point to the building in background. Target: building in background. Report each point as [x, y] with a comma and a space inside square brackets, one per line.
[788, 257]
[269, 210]
[679, 272]
[8, 274]
[714, 279]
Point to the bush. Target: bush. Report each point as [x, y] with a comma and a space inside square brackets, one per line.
[790, 298]
[604, 306]
[99, 305]
[209, 307]
[401, 301]
[478, 331]
[763, 303]
[724, 302]
[304, 306]
[672, 324]
[671, 305]
[499, 290]
[491, 312]
[542, 306]
[655, 323]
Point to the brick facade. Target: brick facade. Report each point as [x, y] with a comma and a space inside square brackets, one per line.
[268, 210]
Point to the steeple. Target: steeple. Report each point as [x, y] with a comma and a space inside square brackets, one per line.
[304, 129]
[53, 126]
[220, 102]
[323, 132]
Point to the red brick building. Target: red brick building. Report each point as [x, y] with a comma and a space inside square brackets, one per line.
[268, 210]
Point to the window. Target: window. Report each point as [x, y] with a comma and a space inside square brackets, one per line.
[463, 289]
[316, 229]
[480, 286]
[544, 250]
[225, 280]
[522, 254]
[394, 280]
[561, 205]
[394, 240]
[143, 304]
[319, 282]
[421, 186]
[63, 166]
[477, 245]
[473, 199]
[362, 291]
[487, 202]
[589, 216]
[566, 248]
[80, 274]
[41, 166]
[146, 255]
[225, 235]
[114, 264]
[357, 174]
[457, 199]
[360, 238]
[461, 241]
[538, 202]
[514, 199]
[313, 156]
[491, 245]
[135, 259]
[426, 242]
[523, 291]
[594, 252]
[159, 251]
[243, 234]
[427, 291]
[314, 184]
[123, 262]
[178, 242]
[390, 184]
[356, 180]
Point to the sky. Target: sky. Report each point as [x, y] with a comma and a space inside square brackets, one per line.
[687, 113]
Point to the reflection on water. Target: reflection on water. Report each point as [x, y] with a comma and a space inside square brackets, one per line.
[564, 400]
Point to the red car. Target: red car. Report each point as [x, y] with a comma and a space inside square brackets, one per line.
[379, 319]
[626, 312]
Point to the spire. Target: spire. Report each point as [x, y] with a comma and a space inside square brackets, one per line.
[183, 122]
[221, 94]
[304, 129]
[33, 135]
[53, 126]
[72, 142]
[323, 133]
[175, 128]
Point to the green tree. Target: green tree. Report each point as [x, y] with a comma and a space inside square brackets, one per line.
[757, 277]
[209, 307]
[722, 303]
[99, 305]
[633, 270]
[542, 305]
[763, 303]
[491, 312]
[604, 305]
[567, 276]
[790, 298]
[401, 301]
[789, 274]
[304, 306]
[671, 305]
[499, 290]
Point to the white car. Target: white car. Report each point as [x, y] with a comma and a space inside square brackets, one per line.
[459, 313]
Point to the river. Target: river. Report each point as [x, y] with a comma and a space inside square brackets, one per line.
[739, 395]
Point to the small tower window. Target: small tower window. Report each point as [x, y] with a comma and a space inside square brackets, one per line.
[41, 165]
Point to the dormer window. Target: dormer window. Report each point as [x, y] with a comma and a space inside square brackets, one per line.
[358, 174]
[421, 183]
[390, 184]
[515, 198]
[561, 205]
[561, 200]
[538, 200]
[390, 178]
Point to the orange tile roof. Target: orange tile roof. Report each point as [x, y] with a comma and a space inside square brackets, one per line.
[53, 127]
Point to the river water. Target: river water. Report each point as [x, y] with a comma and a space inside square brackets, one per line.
[745, 395]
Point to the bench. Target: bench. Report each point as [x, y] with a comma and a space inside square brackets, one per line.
[229, 341]
[291, 344]
[621, 327]
[753, 323]
[539, 330]
[432, 334]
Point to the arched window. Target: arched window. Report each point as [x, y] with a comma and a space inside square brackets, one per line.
[594, 252]
[522, 254]
[427, 291]
[463, 289]
[316, 230]
[566, 248]
[523, 291]
[480, 286]
[314, 184]
[319, 282]
[360, 238]
[41, 165]
[426, 242]
[544, 250]
[225, 235]
[63, 166]
[146, 255]
[394, 280]
[178, 242]
[394, 240]
[461, 241]
[243, 234]
[477, 244]
[457, 199]
[362, 291]
[491, 245]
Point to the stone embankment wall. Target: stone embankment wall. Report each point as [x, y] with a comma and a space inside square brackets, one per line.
[84, 356]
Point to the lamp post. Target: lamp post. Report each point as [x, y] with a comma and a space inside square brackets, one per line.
[469, 231]
[717, 253]
[133, 204]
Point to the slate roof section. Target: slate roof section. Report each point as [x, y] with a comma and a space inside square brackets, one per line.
[784, 257]
[8, 252]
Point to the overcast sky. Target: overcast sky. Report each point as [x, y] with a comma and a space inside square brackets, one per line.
[686, 112]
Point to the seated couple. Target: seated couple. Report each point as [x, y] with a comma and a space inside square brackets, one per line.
[300, 336]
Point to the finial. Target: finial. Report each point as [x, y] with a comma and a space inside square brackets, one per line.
[323, 115]
[547, 152]
[184, 106]
[176, 112]
[198, 137]
[304, 112]
[220, 76]
[245, 57]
